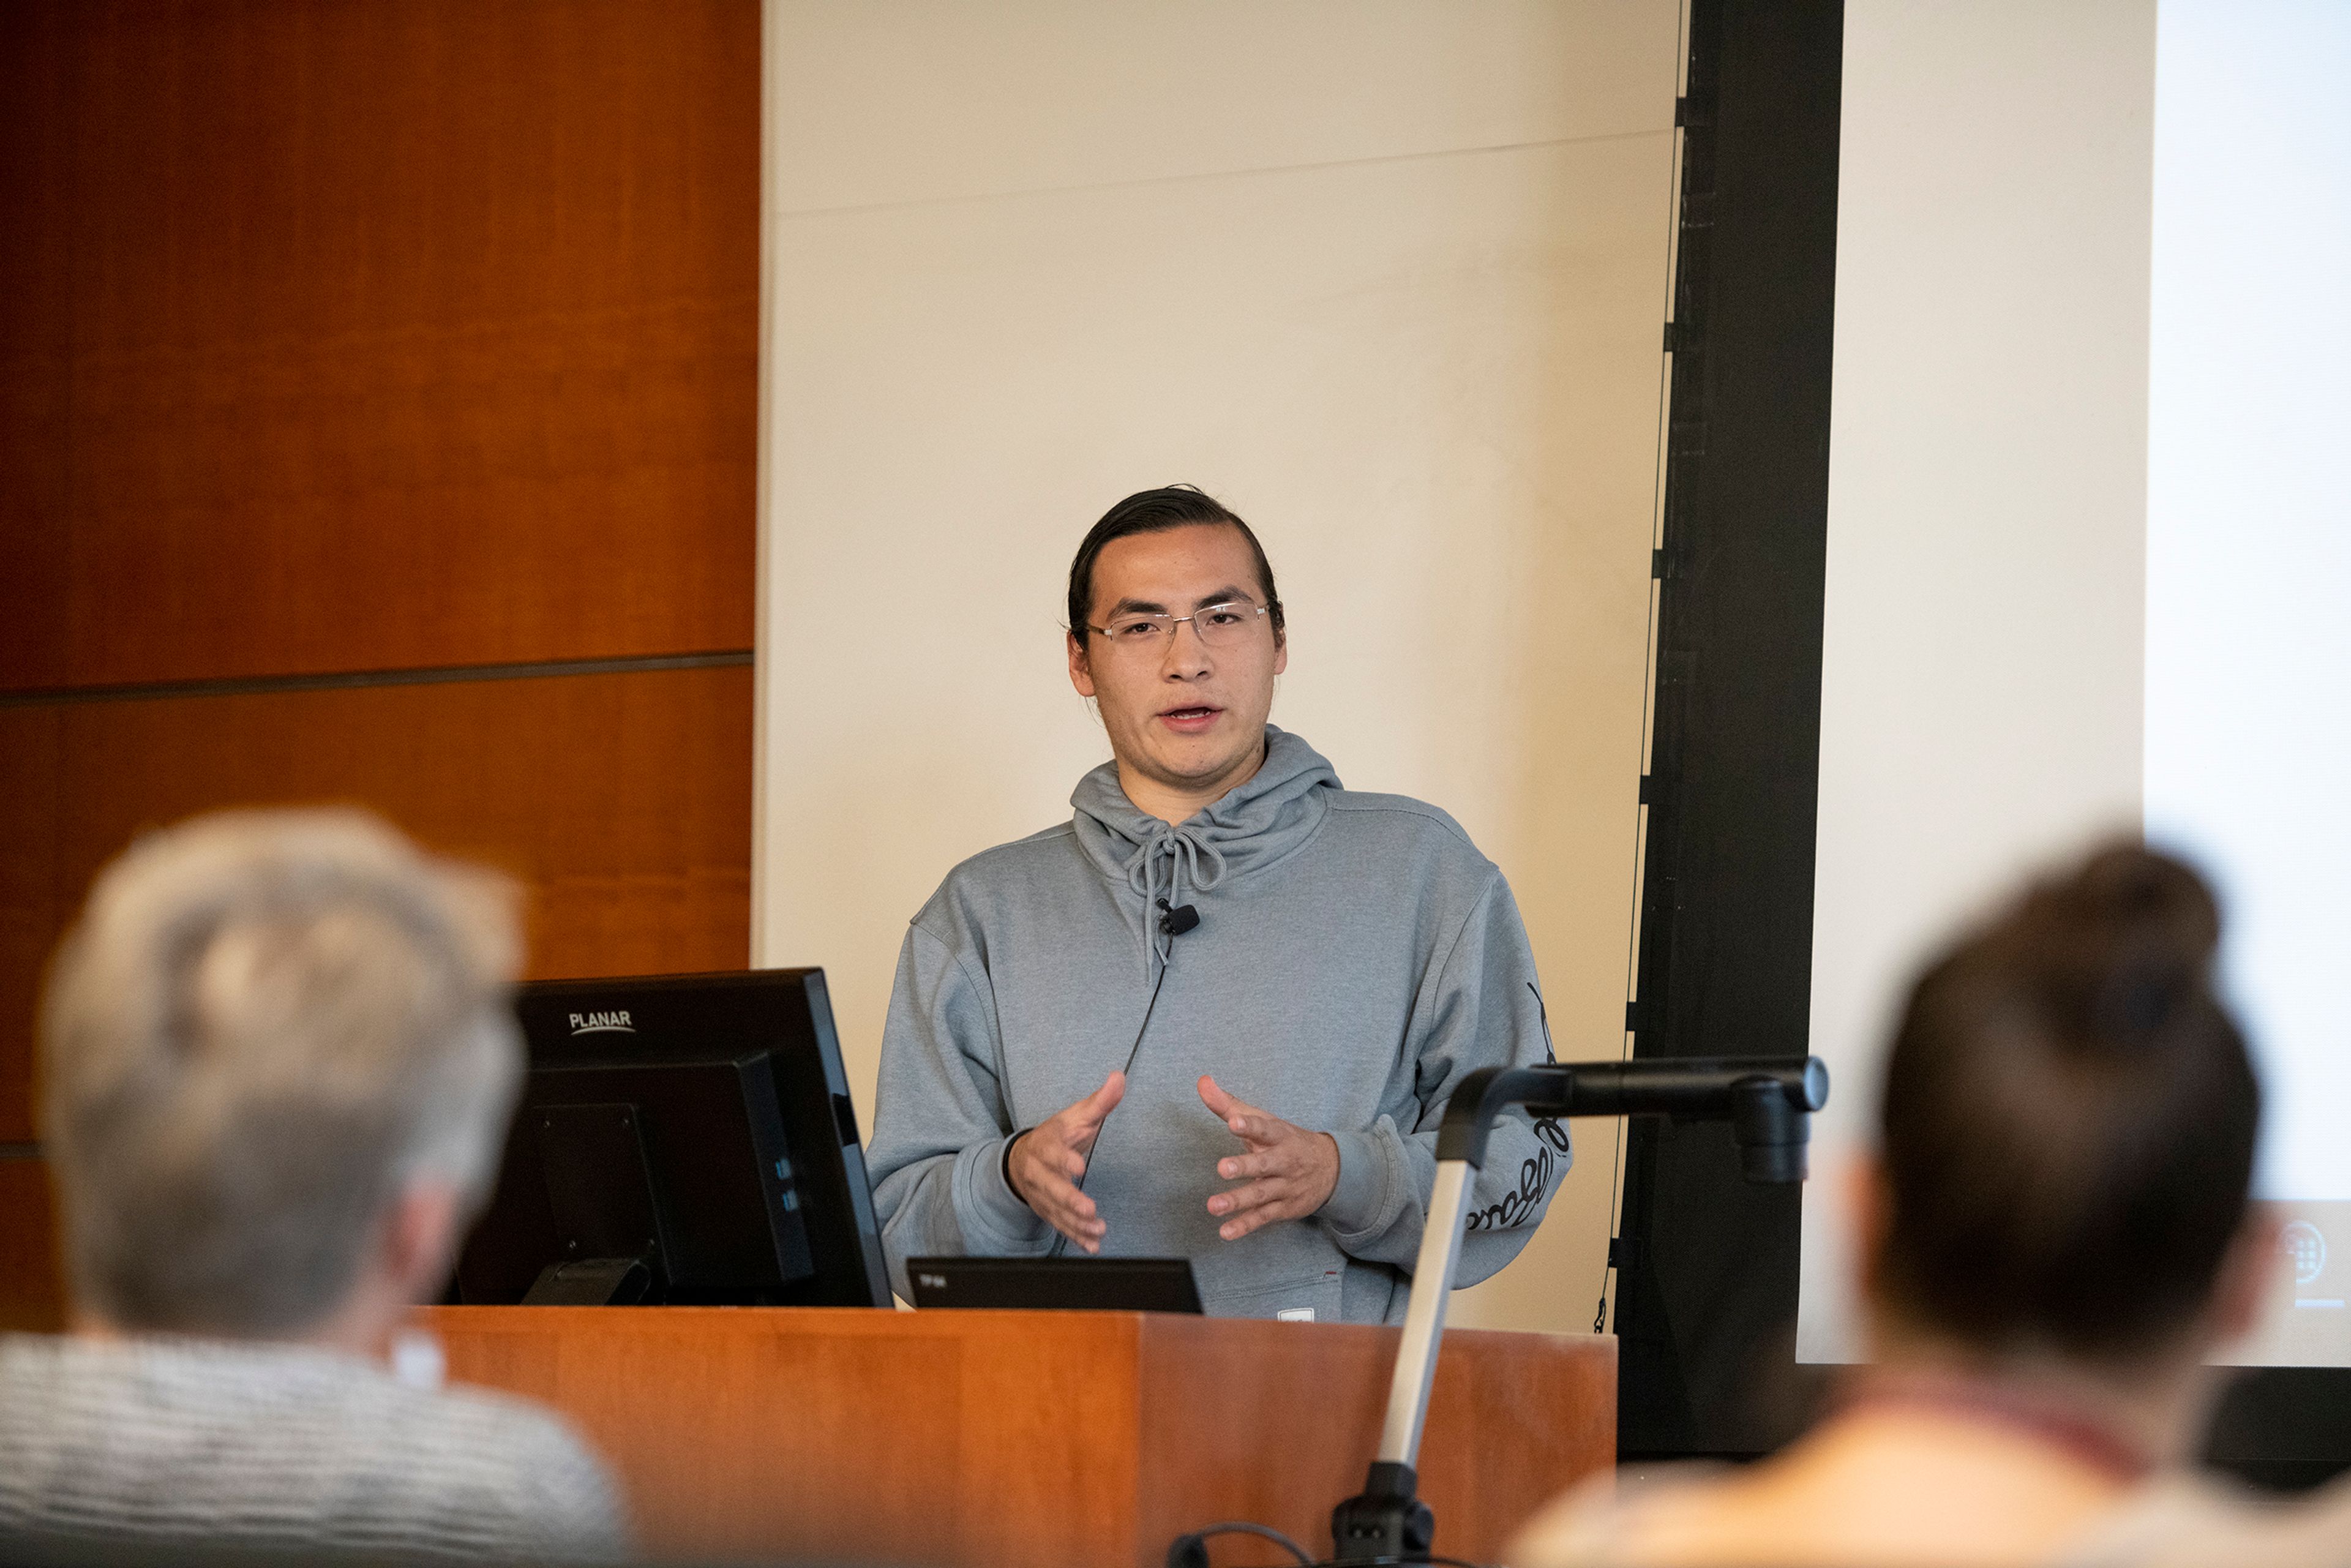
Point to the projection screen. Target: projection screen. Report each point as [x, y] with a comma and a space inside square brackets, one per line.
[2086, 555]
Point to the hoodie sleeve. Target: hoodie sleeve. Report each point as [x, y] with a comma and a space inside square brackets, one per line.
[1485, 1010]
[940, 1122]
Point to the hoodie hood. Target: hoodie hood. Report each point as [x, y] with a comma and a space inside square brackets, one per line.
[1258, 822]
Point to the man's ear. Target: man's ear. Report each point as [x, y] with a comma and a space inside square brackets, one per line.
[1281, 652]
[2248, 1271]
[1081, 673]
[420, 1238]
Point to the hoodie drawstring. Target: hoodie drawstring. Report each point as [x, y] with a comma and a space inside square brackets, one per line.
[1188, 860]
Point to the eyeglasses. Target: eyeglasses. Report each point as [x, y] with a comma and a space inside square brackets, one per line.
[1216, 625]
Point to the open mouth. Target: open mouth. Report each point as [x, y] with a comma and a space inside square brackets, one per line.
[1190, 720]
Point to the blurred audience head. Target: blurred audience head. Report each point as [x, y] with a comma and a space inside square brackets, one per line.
[2054, 1235]
[2068, 1127]
[276, 1066]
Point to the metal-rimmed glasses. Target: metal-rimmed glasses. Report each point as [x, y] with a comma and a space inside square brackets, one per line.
[1224, 625]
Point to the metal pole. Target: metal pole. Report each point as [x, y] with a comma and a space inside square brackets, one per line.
[1424, 1318]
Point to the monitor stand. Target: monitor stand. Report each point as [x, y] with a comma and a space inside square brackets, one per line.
[602, 1186]
[590, 1282]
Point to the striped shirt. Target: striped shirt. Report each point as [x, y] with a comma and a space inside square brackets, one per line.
[250, 1446]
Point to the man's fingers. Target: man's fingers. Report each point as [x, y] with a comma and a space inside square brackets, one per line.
[1047, 1180]
[1045, 1173]
[1257, 1129]
[1275, 1206]
[1077, 1125]
[1234, 1167]
[1082, 1222]
[1055, 1147]
[1086, 1233]
[1256, 1194]
[1078, 1220]
[1059, 1196]
[1100, 1103]
[1245, 1121]
[1214, 1097]
[1232, 1108]
[1282, 1174]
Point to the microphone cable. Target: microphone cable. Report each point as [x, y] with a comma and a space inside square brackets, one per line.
[1172, 923]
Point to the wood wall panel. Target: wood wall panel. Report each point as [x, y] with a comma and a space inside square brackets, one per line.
[31, 906]
[381, 336]
[389, 336]
[35, 339]
[622, 802]
[30, 1298]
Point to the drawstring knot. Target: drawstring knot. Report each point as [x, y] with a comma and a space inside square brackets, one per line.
[1174, 857]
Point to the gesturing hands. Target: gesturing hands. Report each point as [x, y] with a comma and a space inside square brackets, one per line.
[1049, 1158]
[1290, 1172]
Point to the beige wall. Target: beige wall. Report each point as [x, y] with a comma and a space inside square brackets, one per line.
[1385, 277]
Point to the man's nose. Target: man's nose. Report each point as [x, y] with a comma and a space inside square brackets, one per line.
[1188, 656]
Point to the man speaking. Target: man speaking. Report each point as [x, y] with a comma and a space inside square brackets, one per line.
[1218, 1013]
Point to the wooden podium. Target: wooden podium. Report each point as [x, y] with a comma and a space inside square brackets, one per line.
[1043, 1439]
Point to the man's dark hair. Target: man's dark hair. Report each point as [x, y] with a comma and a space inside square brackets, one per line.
[1153, 512]
[2069, 1118]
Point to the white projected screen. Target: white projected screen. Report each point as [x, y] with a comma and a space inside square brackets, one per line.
[2249, 572]
[2236, 689]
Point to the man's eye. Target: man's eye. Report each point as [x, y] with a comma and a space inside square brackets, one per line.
[1224, 617]
[1134, 631]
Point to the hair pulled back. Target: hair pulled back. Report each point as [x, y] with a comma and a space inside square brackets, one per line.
[1152, 512]
[2069, 1118]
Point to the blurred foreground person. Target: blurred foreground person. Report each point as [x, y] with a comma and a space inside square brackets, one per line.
[277, 1069]
[2054, 1235]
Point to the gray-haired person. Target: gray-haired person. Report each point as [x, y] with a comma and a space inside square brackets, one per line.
[276, 1066]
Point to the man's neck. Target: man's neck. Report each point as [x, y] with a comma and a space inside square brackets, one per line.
[1173, 803]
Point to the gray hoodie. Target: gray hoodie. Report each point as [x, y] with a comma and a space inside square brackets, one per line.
[1355, 957]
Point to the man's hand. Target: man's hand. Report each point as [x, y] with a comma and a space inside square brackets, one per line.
[1288, 1172]
[1049, 1158]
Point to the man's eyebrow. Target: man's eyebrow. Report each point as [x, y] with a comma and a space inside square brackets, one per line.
[1225, 595]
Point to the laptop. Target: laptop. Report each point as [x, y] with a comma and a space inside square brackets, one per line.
[1066, 1284]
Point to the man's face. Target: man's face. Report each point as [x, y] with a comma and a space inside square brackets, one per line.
[1188, 716]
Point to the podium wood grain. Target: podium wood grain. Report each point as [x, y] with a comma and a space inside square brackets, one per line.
[1036, 1438]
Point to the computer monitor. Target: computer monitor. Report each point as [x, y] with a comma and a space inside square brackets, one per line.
[682, 1139]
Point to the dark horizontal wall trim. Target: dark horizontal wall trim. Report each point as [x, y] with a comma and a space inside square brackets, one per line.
[257, 685]
[20, 1151]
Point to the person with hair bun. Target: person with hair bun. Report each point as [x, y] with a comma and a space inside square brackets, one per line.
[2055, 1233]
